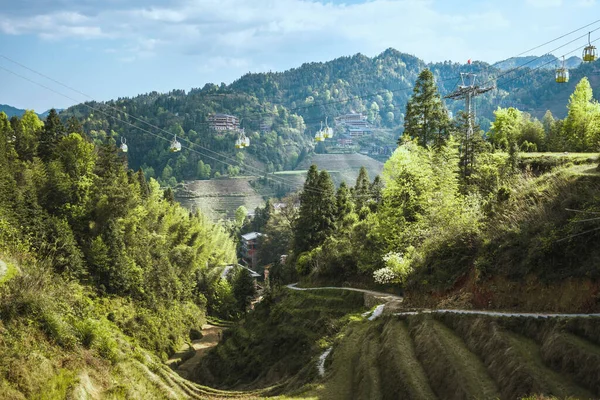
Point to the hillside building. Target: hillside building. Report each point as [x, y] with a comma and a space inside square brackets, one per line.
[249, 248]
[355, 124]
[354, 119]
[223, 122]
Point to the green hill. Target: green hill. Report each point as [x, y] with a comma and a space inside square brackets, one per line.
[281, 111]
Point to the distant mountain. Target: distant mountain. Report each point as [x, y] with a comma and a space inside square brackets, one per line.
[13, 111]
[281, 111]
[547, 61]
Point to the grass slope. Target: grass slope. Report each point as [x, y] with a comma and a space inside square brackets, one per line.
[344, 167]
[454, 372]
[221, 197]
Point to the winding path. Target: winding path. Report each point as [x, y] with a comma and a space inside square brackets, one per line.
[391, 297]
[383, 295]
[211, 335]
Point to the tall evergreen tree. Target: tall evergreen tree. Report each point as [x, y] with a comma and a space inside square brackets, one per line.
[327, 206]
[362, 189]
[343, 202]
[376, 193]
[307, 225]
[51, 134]
[316, 218]
[426, 116]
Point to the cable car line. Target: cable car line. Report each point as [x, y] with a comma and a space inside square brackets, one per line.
[142, 129]
[538, 57]
[547, 63]
[558, 38]
[175, 142]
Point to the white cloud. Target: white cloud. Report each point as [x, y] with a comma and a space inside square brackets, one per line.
[259, 29]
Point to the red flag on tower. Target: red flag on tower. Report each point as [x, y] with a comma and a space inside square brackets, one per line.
[469, 61]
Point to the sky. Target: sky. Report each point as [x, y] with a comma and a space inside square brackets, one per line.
[107, 49]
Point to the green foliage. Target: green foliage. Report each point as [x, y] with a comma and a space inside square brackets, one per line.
[582, 125]
[243, 289]
[426, 118]
[278, 339]
[95, 225]
[317, 211]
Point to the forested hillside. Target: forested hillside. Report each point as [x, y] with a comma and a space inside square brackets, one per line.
[452, 213]
[281, 111]
[102, 275]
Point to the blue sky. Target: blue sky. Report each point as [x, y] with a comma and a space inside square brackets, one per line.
[117, 48]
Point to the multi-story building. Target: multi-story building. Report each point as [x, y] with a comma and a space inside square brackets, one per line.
[355, 123]
[249, 248]
[223, 122]
[355, 119]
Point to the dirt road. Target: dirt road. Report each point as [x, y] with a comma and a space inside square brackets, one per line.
[386, 296]
[211, 337]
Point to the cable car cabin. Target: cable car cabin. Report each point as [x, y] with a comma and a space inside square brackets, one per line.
[246, 141]
[124, 147]
[589, 54]
[238, 144]
[175, 145]
[562, 75]
[319, 137]
[328, 133]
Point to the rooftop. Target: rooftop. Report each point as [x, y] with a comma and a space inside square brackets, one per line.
[251, 236]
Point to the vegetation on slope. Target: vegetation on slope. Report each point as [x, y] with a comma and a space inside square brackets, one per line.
[453, 219]
[279, 339]
[292, 105]
[107, 275]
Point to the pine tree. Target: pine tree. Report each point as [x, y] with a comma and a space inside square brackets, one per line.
[50, 135]
[376, 190]
[426, 117]
[327, 206]
[471, 147]
[343, 202]
[243, 289]
[307, 225]
[316, 218]
[362, 189]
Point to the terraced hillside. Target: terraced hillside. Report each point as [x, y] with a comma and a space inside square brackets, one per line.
[343, 167]
[422, 356]
[219, 198]
[463, 357]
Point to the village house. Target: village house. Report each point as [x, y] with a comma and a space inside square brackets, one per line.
[223, 122]
[249, 248]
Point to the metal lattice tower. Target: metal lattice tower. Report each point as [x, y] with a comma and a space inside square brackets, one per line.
[468, 90]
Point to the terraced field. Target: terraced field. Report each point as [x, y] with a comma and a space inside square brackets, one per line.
[219, 198]
[343, 167]
[464, 357]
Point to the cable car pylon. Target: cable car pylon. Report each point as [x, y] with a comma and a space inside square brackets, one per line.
[468, 90]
